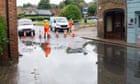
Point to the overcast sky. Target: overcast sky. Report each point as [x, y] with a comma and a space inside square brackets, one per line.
[35, 2]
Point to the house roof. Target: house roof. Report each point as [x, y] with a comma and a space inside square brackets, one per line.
[43, 12]
[39, 12]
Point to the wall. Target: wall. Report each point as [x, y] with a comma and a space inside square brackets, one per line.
[12, 28]
[104, 5]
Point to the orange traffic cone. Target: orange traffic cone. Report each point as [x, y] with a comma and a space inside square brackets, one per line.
[24, 37]
[48, 35]
[40, 36]
[65, 33]
[32, 35]
[57, 34]
[72, 34]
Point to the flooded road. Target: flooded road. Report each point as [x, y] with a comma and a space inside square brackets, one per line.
[60, 66]
[72, 61]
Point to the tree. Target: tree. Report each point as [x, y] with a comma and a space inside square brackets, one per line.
[79, 1]
[27, 5]
[3, 37]
[44, 4]
[76, 2]
[67, 2]
[54, 6]
[81, 5]
[92, 8]
[71, 11]
[61, 5]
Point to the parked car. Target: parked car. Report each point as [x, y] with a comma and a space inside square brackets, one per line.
[59, 23]
[26, 26]
[92, 17]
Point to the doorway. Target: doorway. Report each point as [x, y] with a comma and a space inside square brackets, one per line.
[114, 24]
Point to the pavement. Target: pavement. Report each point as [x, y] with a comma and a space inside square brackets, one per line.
[91, 33]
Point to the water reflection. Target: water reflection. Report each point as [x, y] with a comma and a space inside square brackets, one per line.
[76, 46]
[133, 65]
[115, 65]
[111, 64]
[47, 48]
[118, 65]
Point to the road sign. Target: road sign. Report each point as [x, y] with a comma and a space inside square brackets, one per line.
[85, 10]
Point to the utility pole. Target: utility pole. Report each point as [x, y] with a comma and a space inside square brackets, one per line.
[84, 10]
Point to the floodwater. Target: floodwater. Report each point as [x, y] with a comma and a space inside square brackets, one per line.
[72, 60]
[69, 61]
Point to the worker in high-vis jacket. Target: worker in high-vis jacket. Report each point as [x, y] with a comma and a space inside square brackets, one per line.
[70, 25]
[46, 28]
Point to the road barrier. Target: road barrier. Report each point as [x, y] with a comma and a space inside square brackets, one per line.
[56, 35]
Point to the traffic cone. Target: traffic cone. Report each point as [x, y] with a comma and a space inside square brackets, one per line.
[32, 35]
[40, 36]
[48, 35]
[72, 34]
[24, 36]
[65, 33]
[57, 34]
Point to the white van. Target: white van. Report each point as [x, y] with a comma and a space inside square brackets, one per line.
[59, 23]
[26, 26]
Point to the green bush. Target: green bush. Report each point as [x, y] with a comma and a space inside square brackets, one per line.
[3, 37]
[21, 15]
[71, 11]
[92, 9]
[36, 18]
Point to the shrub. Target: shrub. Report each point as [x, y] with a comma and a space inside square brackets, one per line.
[3, 37]
[36, 18]
[92, 9]
[71, 11]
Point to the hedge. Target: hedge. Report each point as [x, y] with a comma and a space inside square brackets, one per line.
[3, 34]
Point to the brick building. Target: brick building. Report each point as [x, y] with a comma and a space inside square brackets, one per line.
[111, 19]
[9, 12]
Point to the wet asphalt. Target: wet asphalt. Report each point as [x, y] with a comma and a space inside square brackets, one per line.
[72, 60]
[68, 62]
